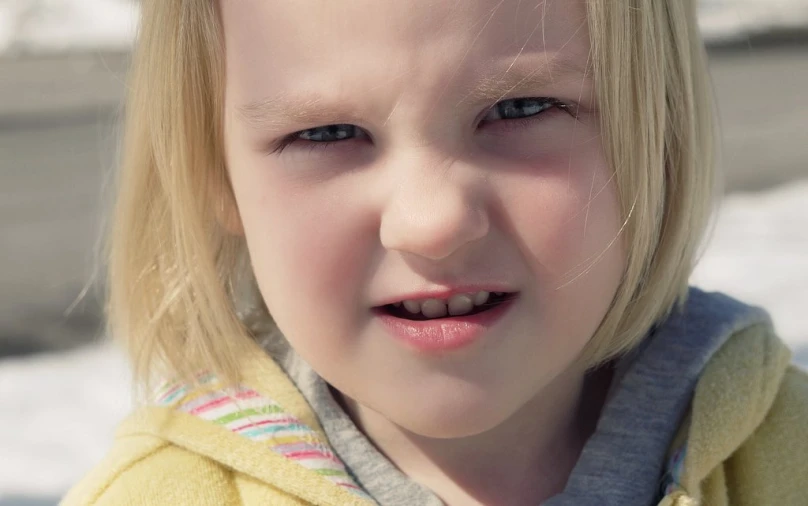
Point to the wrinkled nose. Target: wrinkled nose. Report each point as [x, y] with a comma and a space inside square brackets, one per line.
[433, 217]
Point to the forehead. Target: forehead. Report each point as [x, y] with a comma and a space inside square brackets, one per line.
[278, 46]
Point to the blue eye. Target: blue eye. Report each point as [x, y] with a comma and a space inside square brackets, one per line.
[517, 112]
[334, 132]
[322, 137]
[519, 108]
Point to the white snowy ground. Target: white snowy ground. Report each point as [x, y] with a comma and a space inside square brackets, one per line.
[56, 25]
[59, 412]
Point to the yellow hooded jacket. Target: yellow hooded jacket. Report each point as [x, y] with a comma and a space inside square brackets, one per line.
[746, 436]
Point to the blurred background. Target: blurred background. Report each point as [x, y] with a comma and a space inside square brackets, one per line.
[62, 68]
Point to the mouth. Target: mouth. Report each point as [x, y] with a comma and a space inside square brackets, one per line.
[438, 309]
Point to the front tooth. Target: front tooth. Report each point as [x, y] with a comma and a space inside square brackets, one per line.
[433, 308]
[481, 298]
[460, 304]
[412, 306]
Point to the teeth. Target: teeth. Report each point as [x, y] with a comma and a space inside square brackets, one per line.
[460, 304]
[433, 308]
[412, 306]
[481, 298]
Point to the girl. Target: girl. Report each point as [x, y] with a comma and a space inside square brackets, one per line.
[423, 253]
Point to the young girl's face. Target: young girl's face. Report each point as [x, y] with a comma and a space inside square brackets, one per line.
[390, 151]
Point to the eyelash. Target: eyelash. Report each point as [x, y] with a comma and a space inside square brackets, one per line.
[512, 124]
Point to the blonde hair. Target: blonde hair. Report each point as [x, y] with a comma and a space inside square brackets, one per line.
[178, 280]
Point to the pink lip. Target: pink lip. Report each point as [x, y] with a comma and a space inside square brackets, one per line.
[442, 334]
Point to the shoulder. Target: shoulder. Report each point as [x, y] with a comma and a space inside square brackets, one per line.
[784, 431]
[747, 436]
[146, 470]
[771, 466]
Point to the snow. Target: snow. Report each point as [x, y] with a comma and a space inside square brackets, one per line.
[54, 25]
[57, 25]
[734, 19]
[759, 254]
[58, 417]
[65, 407]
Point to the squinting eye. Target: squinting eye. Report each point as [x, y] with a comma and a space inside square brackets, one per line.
[321, 137]
[520, 108]
[516, 111]
[335, 132]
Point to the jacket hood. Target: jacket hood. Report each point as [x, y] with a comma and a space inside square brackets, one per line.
[270, 435]
[732, 398]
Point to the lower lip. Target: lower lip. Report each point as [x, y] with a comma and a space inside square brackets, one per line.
[443, 334]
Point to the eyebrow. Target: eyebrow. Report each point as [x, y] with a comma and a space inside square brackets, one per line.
[526, 78]
[293, 108]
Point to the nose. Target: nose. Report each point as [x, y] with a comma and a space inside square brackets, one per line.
[433, 216]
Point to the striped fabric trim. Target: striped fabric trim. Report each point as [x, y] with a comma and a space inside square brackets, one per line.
[246, 412]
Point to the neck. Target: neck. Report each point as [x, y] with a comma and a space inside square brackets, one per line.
[525, 460]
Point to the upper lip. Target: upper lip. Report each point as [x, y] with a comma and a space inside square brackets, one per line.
[444, 293]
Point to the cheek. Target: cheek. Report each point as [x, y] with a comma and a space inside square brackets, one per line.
[309, 244]
[569, 219]
[569, 229]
